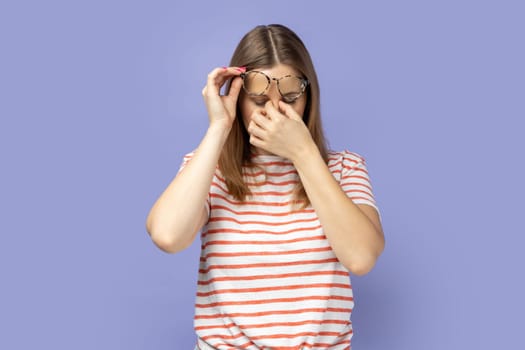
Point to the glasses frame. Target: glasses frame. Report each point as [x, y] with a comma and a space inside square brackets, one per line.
[304, 85]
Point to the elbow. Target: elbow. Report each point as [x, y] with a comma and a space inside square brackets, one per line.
[166, 241]
[364, 264]
[168, 244]
[361, 268]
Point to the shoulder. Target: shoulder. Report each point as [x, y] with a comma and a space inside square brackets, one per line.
[344, 158]
[188, 156]
[186, 159]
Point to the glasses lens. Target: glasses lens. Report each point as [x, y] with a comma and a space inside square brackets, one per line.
[255, 83]
[291, 87]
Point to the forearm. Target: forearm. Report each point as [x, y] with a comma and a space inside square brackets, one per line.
[355, 240]
[177, 215]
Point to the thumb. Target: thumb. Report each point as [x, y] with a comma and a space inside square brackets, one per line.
[288, 111]
[235, 88]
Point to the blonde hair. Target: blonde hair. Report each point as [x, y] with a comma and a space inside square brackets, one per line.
[264, 47]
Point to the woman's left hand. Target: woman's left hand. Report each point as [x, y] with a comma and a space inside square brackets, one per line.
[280, 131]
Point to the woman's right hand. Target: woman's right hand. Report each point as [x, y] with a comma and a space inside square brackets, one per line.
[222, 109]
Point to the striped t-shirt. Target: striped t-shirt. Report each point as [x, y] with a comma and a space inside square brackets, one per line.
[268, 278]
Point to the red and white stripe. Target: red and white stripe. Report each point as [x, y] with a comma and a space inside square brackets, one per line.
[268, 278]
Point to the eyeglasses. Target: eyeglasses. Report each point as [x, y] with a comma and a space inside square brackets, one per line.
[291, 87]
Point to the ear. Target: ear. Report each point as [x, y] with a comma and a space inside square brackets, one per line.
[288, 111]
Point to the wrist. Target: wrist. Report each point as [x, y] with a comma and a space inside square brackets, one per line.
[219, 129]
[305, 153]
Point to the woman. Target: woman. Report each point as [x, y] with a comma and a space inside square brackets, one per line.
[283, 219]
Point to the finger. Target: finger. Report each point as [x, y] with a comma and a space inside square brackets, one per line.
[256, 130]
[236, 72]
[211, 86]
[288, 111]
[260, 119]
[218, 76]
[225, 73]
[238, 69]
[235, 89]
[257, 142]
[271, 111]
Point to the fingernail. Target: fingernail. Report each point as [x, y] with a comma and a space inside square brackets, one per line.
[224, 67]
[241, 69]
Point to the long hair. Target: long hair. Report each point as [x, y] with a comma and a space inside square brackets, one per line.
[264, 47]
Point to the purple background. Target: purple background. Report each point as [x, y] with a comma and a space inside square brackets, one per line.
[99, 101]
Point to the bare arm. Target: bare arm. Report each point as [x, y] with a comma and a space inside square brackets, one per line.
[354, 231]
[180, 212]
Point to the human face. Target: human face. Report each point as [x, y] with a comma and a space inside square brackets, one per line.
[250, 104]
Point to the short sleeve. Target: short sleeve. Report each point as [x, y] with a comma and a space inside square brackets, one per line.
[187, 158]
[355, 180]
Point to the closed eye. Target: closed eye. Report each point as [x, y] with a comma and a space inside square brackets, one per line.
[260, 101]
[290, 98]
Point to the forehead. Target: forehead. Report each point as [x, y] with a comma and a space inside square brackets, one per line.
[278, 71]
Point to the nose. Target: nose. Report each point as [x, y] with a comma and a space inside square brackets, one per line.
[273, 94]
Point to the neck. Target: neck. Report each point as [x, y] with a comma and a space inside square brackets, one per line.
[259, 151]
